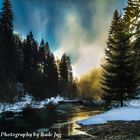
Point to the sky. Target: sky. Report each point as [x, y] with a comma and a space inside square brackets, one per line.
[77, 27]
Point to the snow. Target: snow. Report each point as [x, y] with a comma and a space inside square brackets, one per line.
[118, 114]
[28, 100]
[133, 103]
[130, 112]
[41, 104]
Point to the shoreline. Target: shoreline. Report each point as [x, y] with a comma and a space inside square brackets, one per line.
[115, 130]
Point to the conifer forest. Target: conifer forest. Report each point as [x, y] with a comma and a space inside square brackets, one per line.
[70, 69]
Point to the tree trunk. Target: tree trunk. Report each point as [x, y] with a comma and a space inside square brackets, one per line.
[121, 103]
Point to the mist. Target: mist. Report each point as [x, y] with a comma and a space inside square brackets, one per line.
[84, 37]
[89, 85]
[78, 28]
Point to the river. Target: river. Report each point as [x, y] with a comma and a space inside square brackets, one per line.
[43, 124]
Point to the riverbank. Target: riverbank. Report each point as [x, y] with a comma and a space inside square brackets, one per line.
[117, 130]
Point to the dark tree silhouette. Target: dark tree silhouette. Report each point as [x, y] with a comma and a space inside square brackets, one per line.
[131, 17]
[119, 77]
[31, 64]
[50, 72]
[27, 57]
[67, 83]
[8, 50]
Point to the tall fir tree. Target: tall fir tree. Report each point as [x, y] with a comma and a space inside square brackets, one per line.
[9, 57]
[67, 84]
[27, 58]
[137, 57]
[132, 15]
[19, 46]
[119, 77]
[50, 72]
[132, 21]
[63, 69]
[137, 40]
[31, 74]
[23, 61]
[41, 55]
[8, 50]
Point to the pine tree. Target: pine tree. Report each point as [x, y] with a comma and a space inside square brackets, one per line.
[19, 46]
[63, 69]
[27, 58]
[137, 58]
[50, 72]
[70, 74]
[35, 56]
[67, 84]
[32, 78]
[136, 43]
[9, 60]
[8, 50]
[132, 21]
[119, 77]
[132, 15]
[41, 55]
[72, 85]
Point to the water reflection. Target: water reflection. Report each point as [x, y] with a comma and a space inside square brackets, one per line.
[60, 121]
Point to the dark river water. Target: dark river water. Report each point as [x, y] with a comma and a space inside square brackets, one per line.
[43, 125]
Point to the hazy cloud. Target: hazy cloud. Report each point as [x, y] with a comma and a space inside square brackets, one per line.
[77, 27]
[84, 40]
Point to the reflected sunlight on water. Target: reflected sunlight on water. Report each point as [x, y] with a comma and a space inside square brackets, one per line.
[62, 121]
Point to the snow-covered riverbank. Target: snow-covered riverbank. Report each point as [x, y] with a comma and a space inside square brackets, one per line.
[130, 112]
[28, 100]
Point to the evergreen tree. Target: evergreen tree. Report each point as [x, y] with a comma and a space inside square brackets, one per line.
[41, 55]
[31, 76]
[67, 84]
[19, 46]
[132, 21]
[31, 56]
[24, 61]
[119, 77]
[50, 72]
[63, 69]
[9, 60]
[130, 15]
[70, 74]
[35, 57]
[137, 58]
[136, 43]
[27, 58]
[8, 50]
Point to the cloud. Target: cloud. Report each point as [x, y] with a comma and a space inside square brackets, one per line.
[85, 44]
[40, 20]
[79, 28]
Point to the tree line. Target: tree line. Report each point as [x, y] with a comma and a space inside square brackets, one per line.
[31, 63]
[121, 71]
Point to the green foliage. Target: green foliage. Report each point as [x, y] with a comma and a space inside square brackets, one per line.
[137, 57]
[132, 21]
[119, 77]
[67, 83]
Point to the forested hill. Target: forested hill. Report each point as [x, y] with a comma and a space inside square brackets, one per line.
[31, 63]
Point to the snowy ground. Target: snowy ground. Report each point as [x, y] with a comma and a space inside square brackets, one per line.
[130, 112]
[28, 100]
